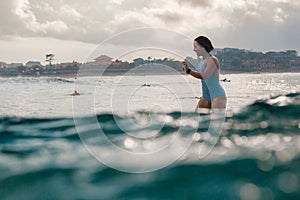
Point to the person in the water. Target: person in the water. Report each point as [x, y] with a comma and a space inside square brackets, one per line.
[208, 70]
[75, 93]
[225, 80]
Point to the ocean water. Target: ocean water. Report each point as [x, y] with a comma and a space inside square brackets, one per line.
[54, 145]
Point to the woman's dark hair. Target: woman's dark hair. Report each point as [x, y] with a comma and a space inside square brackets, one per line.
[205, 43]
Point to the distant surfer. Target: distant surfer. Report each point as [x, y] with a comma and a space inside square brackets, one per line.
[75, 93]
[208, 70]
[225, 80]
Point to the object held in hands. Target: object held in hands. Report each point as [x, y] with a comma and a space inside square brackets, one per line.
[185, 65]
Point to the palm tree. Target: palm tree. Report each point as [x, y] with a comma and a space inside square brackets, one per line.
[49, 58]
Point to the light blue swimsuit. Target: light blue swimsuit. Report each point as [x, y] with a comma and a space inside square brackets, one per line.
[211, 87]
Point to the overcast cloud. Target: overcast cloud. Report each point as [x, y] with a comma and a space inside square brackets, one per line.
[251, 24]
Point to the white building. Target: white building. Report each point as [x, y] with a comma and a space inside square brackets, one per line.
[33, 63]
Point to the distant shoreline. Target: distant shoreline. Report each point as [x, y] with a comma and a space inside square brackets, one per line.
[234, 61]
[141, 74]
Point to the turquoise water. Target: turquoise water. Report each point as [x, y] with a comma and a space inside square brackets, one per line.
[42, 156]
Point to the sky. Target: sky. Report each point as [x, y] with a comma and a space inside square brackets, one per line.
[73, 29]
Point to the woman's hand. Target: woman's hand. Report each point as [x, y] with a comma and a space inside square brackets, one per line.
[184, 66]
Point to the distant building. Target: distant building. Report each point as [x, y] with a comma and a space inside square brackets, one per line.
[33, 63]
[14, 65]
[34, 70]
[12, 71]
[102, 60]
[72, 64]
[2, 64]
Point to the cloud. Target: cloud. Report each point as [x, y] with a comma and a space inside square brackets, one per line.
[263, 25]
[24, 12]
[117, 2]
[227, 22]
[279, 15]
[197, 3]
[9, 22]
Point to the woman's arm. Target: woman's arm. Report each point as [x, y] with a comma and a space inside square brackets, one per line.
[210, 68]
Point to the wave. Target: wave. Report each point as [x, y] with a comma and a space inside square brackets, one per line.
[240, 179]
[28, 80]
[275, 114]
[60, 80]
[256, 157]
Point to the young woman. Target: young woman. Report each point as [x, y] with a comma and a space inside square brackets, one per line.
[213, 95]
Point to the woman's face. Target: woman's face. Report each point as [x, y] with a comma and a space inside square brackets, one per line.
[198, 49]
